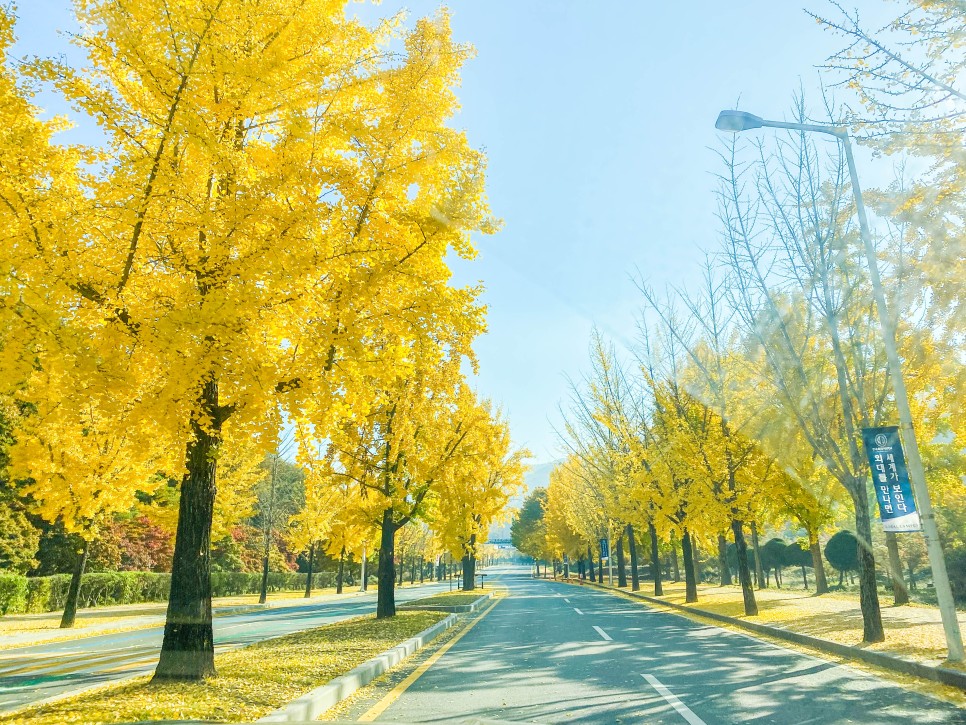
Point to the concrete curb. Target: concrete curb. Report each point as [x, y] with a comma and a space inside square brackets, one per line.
[312, 704]
[462, 608]
[944, 675]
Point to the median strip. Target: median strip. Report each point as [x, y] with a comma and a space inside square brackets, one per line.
[253, 681]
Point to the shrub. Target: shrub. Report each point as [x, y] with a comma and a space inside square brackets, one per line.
[956, 567]
[842, 552]
[13, 593]
[20, 594]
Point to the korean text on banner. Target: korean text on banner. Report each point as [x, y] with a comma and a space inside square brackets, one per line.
[897, 508]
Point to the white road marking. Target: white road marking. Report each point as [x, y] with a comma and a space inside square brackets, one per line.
[567, 600]
[577, 610]
[683, 710]
[603, 634]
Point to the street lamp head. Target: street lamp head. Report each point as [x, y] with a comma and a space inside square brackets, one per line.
[737, 121]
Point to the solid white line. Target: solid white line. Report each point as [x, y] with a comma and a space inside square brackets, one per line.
[683, 710]
[603, 634]
[577, 610]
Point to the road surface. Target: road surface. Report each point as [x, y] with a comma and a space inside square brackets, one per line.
[32, 674]
[557, 653]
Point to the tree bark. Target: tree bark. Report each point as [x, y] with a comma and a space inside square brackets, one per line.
[187, 651]
[632, 546]
[744, 575]
[269, 520]
[600, 564]
[674, 559]
[621, 573]
[805, 576]
[590, 563]
[818, 566]
[690, 580]
[73, 592]
[696, 555]
[655, 561]
[341, 574]
[469, 565]
[386, 596]
[723, 561]
[872, 630]
[761, 581]
[900, 592]
[308, 579]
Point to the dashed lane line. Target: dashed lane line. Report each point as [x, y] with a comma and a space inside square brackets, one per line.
[606, 637]
[577, 610]
[672, 700]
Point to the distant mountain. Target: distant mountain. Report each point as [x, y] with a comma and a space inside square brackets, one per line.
[537, 477]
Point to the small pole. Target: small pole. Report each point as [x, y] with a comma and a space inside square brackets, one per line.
[610, 559]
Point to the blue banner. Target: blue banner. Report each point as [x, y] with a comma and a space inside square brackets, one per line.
[604, 549]
[897, 507]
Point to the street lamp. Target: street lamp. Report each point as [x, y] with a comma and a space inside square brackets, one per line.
[737, 121]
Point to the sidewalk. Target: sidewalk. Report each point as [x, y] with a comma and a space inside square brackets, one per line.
[24, 630]
[913, 632]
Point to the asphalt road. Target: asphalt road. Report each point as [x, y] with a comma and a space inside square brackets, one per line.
[31, 674]
[557, 653]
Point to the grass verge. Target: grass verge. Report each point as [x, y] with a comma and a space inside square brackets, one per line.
[448, 599]
[252, 681]
[913, 631]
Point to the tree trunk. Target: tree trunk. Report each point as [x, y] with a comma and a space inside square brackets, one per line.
[655, 561]
[690, 580]
[566, 566]
[632, 546]
[580, 569]
[805, 577]
[422, 570]
[744, 575]
[872, 630]
[187, 651]
[308, 579]
[912, 575]
[696, 555]
[761, 581]
[621, 573]
[469, 572]
[339, 577]
[899, 590]
[674, 559]
[386, 596]
[269, 520]
[469, 565]
[818, 566]
[590, 563]
[723, 561]
[600, 570]
[73, 593]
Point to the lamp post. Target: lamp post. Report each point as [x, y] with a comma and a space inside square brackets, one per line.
[737, 121]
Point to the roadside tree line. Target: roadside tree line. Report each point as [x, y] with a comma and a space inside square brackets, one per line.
[740, 407]
[257, 239]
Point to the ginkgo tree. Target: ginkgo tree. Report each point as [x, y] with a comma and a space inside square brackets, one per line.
[275, 187]
[488, 473]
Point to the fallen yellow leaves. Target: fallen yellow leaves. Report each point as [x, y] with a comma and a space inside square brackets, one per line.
[252, 681]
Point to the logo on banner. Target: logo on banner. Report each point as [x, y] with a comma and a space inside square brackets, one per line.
[897, 507]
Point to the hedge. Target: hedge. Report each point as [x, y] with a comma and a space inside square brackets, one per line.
[20, 594]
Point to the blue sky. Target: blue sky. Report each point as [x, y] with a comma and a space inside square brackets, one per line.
[598, 120]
